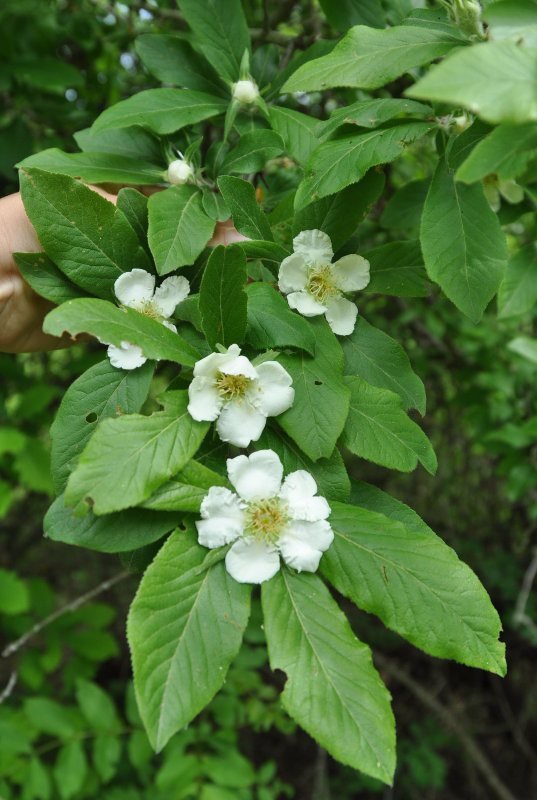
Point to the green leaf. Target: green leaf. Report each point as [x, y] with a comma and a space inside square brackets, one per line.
[102, 391]
[134, 205]
[271, 323]
[506, 151]
[463, 245]
[14, 595]
[379, 430]
[120, 532]
[329, 473]
[339, 214]
[222, 300]
[416, 584]
[404, 208]
[173, 60]
[127, 458]
[343, 14]
[37, 784]
[369, 58]
[512, 19]
[332, 690]
[518, 290]
[270, 253]
[397, 269]
[341, 162]
[321, 404]
[86, 236]
[371, 497]
[495, 80]
[179, 228]
[45, 278]
[459, 147]
[221, 31]
[134, 142]
[248, 218]
[186, 490]
[49, 74]
[524, 346]
[214, 206]
[106, 755]
[97, 706]
[370, 113]
[49, 717]
[114, 325]
[374, 356]
[161, 110]
[316, 50]
[95, 167]
[253, 151]
[296, 130]
[70, 769]
[183, 615]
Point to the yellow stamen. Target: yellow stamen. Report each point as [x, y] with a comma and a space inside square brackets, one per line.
[266, 519]
[232, 387]
[321, 284]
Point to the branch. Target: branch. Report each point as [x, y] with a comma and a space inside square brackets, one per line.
[481, 762]
[520, 617]
[79, 601]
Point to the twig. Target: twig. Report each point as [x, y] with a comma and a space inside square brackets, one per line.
[79, 601]
[10, 685]
[481, 762]
[520, 617]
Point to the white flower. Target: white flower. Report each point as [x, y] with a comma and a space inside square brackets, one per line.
[136, 289]
[245, 91]
[265, 519]
[227, 386]
[179, 172]
[314, 285]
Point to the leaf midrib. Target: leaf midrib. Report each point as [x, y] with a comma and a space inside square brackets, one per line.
[326, 673]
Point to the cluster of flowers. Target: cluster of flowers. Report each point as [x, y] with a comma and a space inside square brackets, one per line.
[265, 518]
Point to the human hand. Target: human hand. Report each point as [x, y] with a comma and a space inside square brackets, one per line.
[21, 309]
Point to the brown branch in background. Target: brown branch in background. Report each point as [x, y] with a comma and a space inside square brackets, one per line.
[10, 685]
[76, 603]
[448, 719]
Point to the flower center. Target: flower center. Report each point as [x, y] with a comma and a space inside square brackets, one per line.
[266, 519]
[321, 284]
[231, 387]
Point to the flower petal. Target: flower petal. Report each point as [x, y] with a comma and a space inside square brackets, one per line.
[293, 274]
[222, 518]
[205, 401]
[298, 491]
[128, 356]
[240, 423]
[214, 362]
[275, 392]
[315, 246]
[135, 288]
[239, 366]
[305, 304]
[303, 543]
[169, 294]
[170, 325]
[341, 315]
[351, 273]
[257, 476]
[250, 561]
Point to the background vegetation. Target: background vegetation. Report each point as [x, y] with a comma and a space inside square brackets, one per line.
[68, 722]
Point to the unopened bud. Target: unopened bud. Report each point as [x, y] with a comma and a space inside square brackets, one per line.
[467, 16]
[245, 91]
[179, 172]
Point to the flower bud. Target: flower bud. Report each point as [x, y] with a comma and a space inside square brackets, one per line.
[179, 172]
[245, 91]
[467, 16]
